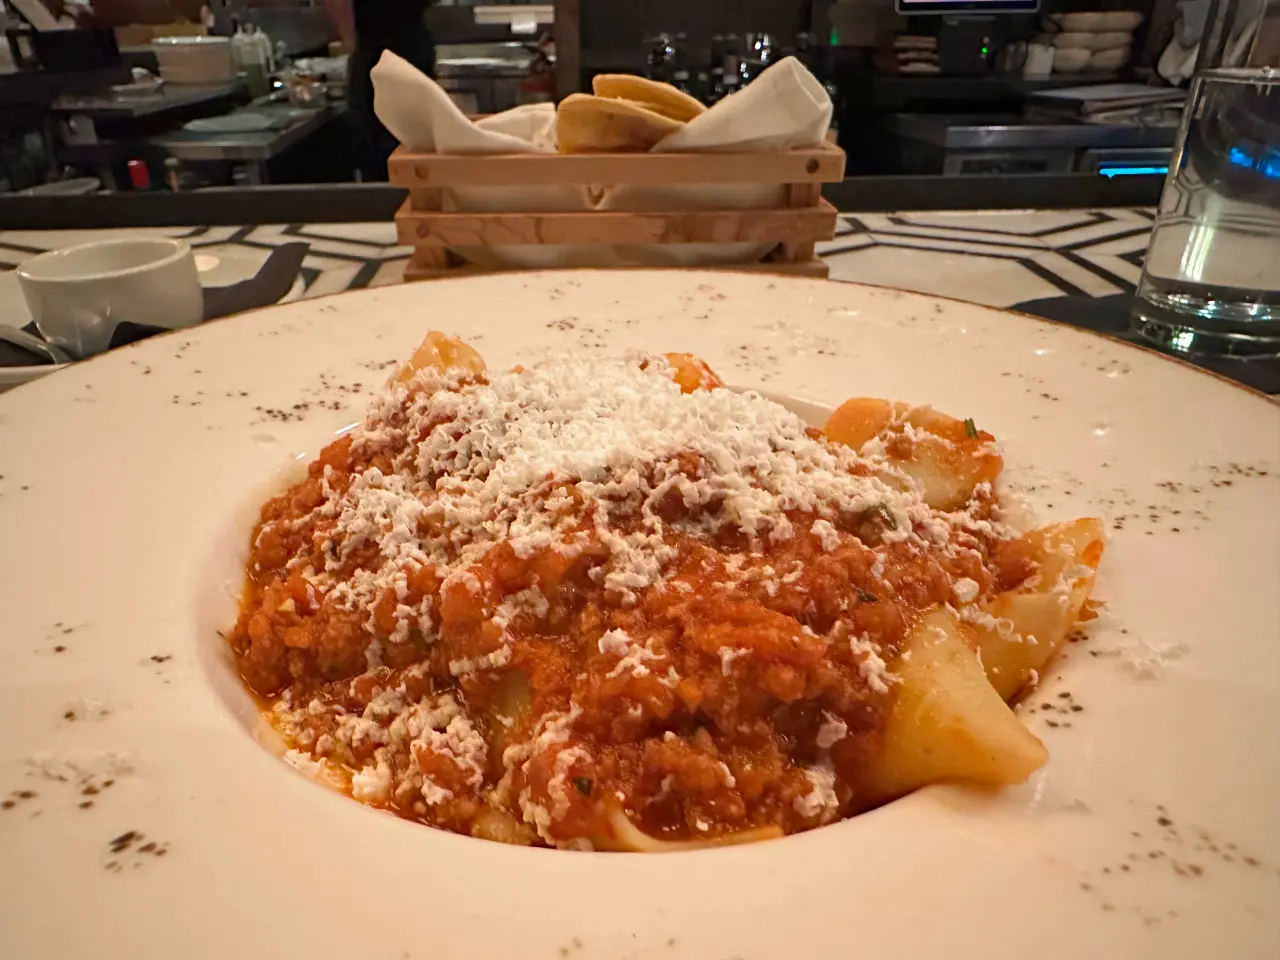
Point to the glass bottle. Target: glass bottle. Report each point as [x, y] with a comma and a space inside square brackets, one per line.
[247, 53]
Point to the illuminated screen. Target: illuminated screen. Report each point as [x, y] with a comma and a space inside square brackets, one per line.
[967, 6]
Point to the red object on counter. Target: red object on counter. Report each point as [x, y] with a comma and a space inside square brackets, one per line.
[139, 175]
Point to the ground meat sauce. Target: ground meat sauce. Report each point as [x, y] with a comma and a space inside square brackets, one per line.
[521, 607]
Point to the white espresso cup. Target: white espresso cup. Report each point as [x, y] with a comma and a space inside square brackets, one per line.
[79, 295]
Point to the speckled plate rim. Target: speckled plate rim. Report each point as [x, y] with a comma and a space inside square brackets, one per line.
[294, 295]
[1077, 863]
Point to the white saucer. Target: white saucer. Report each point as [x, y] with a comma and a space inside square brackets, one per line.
[216, 270]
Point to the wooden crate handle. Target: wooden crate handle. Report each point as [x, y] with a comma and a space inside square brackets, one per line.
[813, 268]
[774, 225]
[821, 164]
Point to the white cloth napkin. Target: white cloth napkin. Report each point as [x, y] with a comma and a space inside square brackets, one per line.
[421, 115]
[784, 108]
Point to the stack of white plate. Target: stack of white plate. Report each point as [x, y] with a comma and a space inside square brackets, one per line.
[1087, 42]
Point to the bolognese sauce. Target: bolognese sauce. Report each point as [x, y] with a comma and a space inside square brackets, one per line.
[597, 605]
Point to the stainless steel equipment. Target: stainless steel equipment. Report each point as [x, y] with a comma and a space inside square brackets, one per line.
[980, 143]
[486, 77]
[250, 149]
[99, 130]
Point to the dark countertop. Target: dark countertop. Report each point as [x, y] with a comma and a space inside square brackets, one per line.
[1006, 131]
[36, 87]
[171, 96]
[948, 87]
[255, 145]
[354, 203]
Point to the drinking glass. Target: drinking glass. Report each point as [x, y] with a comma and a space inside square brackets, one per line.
[1211, 280]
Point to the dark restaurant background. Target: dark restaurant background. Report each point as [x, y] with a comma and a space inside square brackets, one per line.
[949, 109]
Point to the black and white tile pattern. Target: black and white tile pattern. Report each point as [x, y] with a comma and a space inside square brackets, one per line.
[997, 258]
[1069, 258]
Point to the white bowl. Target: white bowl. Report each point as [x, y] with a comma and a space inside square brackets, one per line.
[194, 59]
[77, 296]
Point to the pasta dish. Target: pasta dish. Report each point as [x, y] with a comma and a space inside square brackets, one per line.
[615, 605]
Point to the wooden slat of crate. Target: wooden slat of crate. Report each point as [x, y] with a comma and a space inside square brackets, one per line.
[422, 266]
[824, 164]
[804, 195]
[776, 225]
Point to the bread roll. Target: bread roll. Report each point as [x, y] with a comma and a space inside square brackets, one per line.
[659, 97]
[586, 124]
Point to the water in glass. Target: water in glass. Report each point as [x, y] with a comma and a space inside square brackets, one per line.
[1211, 281]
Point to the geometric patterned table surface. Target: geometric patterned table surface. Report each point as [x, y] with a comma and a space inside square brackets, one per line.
[993, 257]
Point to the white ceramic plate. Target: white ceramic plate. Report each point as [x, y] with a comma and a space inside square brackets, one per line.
[216, 270]
[230, 123]
[130, 481]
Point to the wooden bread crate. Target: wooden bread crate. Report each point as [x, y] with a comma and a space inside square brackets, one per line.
[794, 228]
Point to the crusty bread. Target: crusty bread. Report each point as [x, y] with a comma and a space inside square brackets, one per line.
[661, 98]
[586, 124]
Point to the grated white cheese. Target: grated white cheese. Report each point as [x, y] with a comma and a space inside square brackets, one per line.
[599, 432]
[965, 590]
[832, 731]
[981, 618]
[634, 655]
[617, 642]
[467, 578]
[664, 788]
[355, 731]
[459, 742]
[826, 533]
[489, 661]
[531, 603]
[305, 763]
[872, 667]
[795, 573]
[877, 566]
[553, 729]
[373, 783]
[821, 801]
[730, 654]
[558, 786]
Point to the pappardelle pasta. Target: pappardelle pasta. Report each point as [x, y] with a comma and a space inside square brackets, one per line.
[614, 605]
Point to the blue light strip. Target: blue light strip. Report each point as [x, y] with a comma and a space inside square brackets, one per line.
[1268, 164]
[1131, 171]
